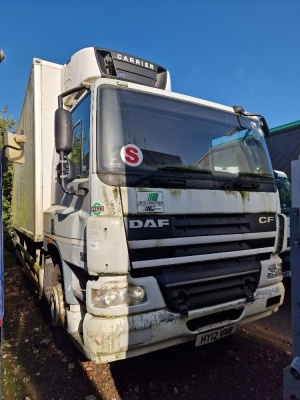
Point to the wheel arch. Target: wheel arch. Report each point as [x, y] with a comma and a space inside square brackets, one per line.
[65, 272]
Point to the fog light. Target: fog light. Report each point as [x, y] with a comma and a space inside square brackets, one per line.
[104, 298]
[274, 271]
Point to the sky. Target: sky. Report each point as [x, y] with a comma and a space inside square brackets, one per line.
[233, 52]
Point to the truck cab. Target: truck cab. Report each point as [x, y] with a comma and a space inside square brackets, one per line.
[150, 218]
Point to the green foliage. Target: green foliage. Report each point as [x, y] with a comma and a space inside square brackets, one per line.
[7, 123]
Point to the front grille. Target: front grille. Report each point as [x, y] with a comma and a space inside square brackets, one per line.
[143, 227]
[187, 250]
[209, 285]
[192, 257]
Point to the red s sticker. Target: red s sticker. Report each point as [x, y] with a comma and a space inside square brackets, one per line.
[131, 155]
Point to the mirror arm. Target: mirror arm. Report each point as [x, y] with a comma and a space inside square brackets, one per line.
[71, 91]
[80, 192]
[62, 174]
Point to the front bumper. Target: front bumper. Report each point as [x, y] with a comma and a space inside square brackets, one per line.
[108, 339]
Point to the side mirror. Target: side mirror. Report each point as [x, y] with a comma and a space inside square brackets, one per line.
[263, 123]
[64, 141]
[264, 126]
[63, 131]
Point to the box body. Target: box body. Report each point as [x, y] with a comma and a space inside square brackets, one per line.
[32, 180]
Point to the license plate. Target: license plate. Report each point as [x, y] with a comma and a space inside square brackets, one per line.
[212, 336]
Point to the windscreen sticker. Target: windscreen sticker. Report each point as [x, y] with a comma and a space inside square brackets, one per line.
[131, 155]
[150, 202]
[97, 209]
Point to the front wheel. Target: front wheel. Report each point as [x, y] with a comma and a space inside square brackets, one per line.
[57, 306]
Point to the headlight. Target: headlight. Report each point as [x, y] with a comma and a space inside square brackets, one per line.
[274, 271]
[104, 298]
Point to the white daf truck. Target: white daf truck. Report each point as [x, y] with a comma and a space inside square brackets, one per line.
[147, 218]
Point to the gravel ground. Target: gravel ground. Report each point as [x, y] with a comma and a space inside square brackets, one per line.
[40, 364]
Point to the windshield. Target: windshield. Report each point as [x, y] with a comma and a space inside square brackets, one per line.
[142, 135]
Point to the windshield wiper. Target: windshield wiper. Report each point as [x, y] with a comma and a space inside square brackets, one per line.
[184, 169]
[171, 179]
[241, 181]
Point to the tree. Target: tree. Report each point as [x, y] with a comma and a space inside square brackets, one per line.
[7, 123]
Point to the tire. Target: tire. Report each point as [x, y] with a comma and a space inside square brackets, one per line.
[54, 294]
[57, 306]
[48, 279]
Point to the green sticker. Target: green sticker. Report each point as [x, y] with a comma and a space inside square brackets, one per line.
[97, 209]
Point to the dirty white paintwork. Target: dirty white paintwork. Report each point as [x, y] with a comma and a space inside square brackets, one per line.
[204, 201]
[122, 337]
